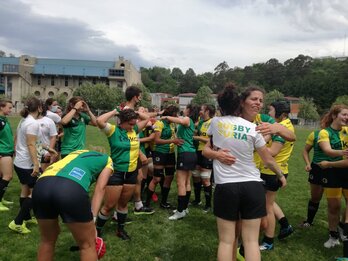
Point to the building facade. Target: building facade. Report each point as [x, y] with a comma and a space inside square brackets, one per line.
[44, 77]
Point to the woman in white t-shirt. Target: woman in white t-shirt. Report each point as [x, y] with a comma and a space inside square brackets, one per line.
[26, 163]
[239, 193]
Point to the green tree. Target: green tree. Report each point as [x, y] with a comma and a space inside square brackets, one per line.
[100, 96]
[308, 109]
[271, 97]
[146, 100]
[342, 100]
[189, 82]
[203, 96]
[61, 99]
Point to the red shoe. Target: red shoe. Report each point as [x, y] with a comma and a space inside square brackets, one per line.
[154, 197]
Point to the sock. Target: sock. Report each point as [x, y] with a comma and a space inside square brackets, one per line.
[334, 234]
[138, 205]
[311, 211]
[121, 220]
[24, 211]
[143, 183]
[283, 222]
[197, 186]
[148, 197]
[268, 240]
[345, 229]
[241, 250]
[3, 187]
[345, 248]
[181, 203]
[187, 199]
[165, 193]
[207, 194]
[161, 183]
[101, 220]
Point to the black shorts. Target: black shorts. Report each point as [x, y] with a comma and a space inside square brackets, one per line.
[24, 176]
[245, 200]
[186, 161]
[335, 178]
[6, 155]
[204, 162]
[58, 196]
[163, 159]
[148, 152]
[315, 175]
[271, 182]
[118, 178]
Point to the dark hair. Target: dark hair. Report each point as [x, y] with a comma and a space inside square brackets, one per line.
[49, 102]
[229, 101]
[3, 102]
[32, 104]
[132, 91]
[171, 110]
[72, 102]
[210, 108]
[329, 116]
[246, 93]
[280, 107]
[194, 112]
[127, 115]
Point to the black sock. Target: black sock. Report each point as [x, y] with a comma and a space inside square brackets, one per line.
[3, 187]
[101, 220]
[165, 193]
[345, 229]
[207, 194]
[283, 222]
[268, 240]
[21, 200]
[241, 250]
[181, 203]
[334, 234]
[24, 211]
[197, 186]
[161, 183]
[143, 183]
[345, 248]
[121, 220]
[187, 199]
[311, 211]
[148, 197]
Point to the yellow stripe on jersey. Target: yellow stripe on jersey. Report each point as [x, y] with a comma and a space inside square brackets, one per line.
[134, 150]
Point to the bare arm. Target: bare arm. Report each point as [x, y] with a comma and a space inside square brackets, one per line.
[102, 120]
[200, 138]
[275, 148]
[142, 124]
[158, 140]
[222, 155]
[149, 138]
[305, 155]
[185, 121]
[326, 147]
[334, 164]
[67, 118]
[31, 141]
[266, 128]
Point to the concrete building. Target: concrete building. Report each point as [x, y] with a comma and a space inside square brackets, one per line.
[44, 77]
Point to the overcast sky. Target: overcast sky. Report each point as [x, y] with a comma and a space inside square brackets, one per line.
[196, 34]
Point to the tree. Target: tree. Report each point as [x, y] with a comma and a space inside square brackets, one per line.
[189, 82]
[271, 97]
[342, 100]
[146, 97]
[220, 76]
[203, 96]
[308, 109]
[61, 99]
[100, 96]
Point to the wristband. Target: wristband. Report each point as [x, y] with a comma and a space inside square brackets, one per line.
[280, 175]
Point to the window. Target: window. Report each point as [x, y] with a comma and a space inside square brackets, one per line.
[37, 94]
[80, 81]
[39, 80]
[107, 82]
[50, 94]
[2, 80]
[116, 72]
[65, 94]
[66, 82]
[94, 80]
[52, 81]
[10, 68]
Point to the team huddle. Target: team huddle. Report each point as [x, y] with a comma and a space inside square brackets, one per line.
[236, 155]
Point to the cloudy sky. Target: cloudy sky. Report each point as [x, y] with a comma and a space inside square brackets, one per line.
[196, 34]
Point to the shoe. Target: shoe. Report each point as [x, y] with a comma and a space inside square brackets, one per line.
[178, 215]
[185, 210]
[239, 256]
[21, 229]
[144, 211]
[264, 246]
[6, 202]
[32, 221]
[154, 197]
[341, 233]
[305, 224]
[3, 207]
[332, 242]
[196, 203]
[207, 209]
[123, 235]
[285, 232]
[166, 205]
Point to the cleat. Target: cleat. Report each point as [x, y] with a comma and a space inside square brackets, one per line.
[341, 234]
[196, 203]
[332, 242]
[285, 232]
[239, 256]
[185, 210]
[32, 221]
[144, 211]
[21, 229]
[3, 207]
[123, 235]
[264, 246]
[305, 224]
[6, 202]
[207, 209]
[165, 205]
[178, 215]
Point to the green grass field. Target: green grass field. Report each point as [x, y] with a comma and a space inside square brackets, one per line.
[193, 238]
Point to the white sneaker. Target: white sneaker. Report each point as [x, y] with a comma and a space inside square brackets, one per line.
[332, 242]
[185, 210]
[341, 233]
[178, 215]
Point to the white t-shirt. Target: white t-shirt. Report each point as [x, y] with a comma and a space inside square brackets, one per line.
[53, 116]
[26, 126]
[238, 136]
[46, 131]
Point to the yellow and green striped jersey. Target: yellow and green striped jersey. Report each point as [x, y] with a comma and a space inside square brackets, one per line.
[167, 131]
[202, 129]
[338, 140]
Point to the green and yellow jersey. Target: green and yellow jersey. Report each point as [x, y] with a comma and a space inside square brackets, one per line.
[338, 140]
[75, 134]
[202, 129]
[186, 133]
[318, 154]
[283, 156]
[167, 131]
[81, 166]
[124, 147]
[6, 137]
